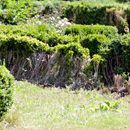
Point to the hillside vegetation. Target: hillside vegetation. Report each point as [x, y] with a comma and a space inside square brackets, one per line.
[61, 43]
[71, 64]
[36, 108]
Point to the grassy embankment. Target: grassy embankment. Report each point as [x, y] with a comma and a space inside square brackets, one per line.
[36, 108]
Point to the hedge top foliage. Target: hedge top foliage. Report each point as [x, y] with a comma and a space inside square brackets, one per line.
[84, 30]
[15, 11]
[56, 39]
[94, 4]
[37, 31]
[125, 39]
[95, 13]
[44, 33]
[23, 45]
[25, 28]
[76, 48]
[96, 43]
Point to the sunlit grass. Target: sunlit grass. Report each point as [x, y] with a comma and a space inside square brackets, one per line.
[36, 108]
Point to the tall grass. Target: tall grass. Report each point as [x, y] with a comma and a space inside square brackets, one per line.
[36, 108]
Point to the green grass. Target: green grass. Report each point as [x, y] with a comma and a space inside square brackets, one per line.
[36, 108]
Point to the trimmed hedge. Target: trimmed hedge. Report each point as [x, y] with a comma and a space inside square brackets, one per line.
[75, 48]
[13, 11]
[96, 43]
[22, 45]
[85, 13]
[56, 39]
[120, 54]
[6, 89]
[89, 13]
[84, 30]
[41, 32]
[93, 13]
[123, 51]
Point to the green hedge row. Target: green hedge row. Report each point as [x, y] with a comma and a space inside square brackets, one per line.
[6, 89]
[13, 11]
[121, 50]
[85, 13]
[76, 50]
[24, 38]
[25, 45]
[80, 41]
[22, 45]
[48, 35]
[96, 43]
[29, 38]
[41, 32]
[84, 30]
[93, 13]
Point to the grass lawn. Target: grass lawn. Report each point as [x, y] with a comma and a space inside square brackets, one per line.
[36, 108]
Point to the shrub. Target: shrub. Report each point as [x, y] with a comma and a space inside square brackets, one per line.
[55, 39]
[98, 46]
[93, 13]
[76, 49]
[13, 12]
[41, 32]
[124, 52]
[118, 56]
[85, 13]
[6, 88]
[23, 54]
[21, 45]
[67, 64]
[84, 30]
[96, 43]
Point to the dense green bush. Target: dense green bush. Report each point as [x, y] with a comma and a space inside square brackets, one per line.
[44, 33]
[93, 13]
[55, 39]
[117, 58]
[99, 47]
[85, 13]
[6, 89]
[123, 52]
[96, 43]
[13, 11]
[88, 13]
[41, 32]
[76, 49]
[84, 30]
[21, 45]
[115, 54]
